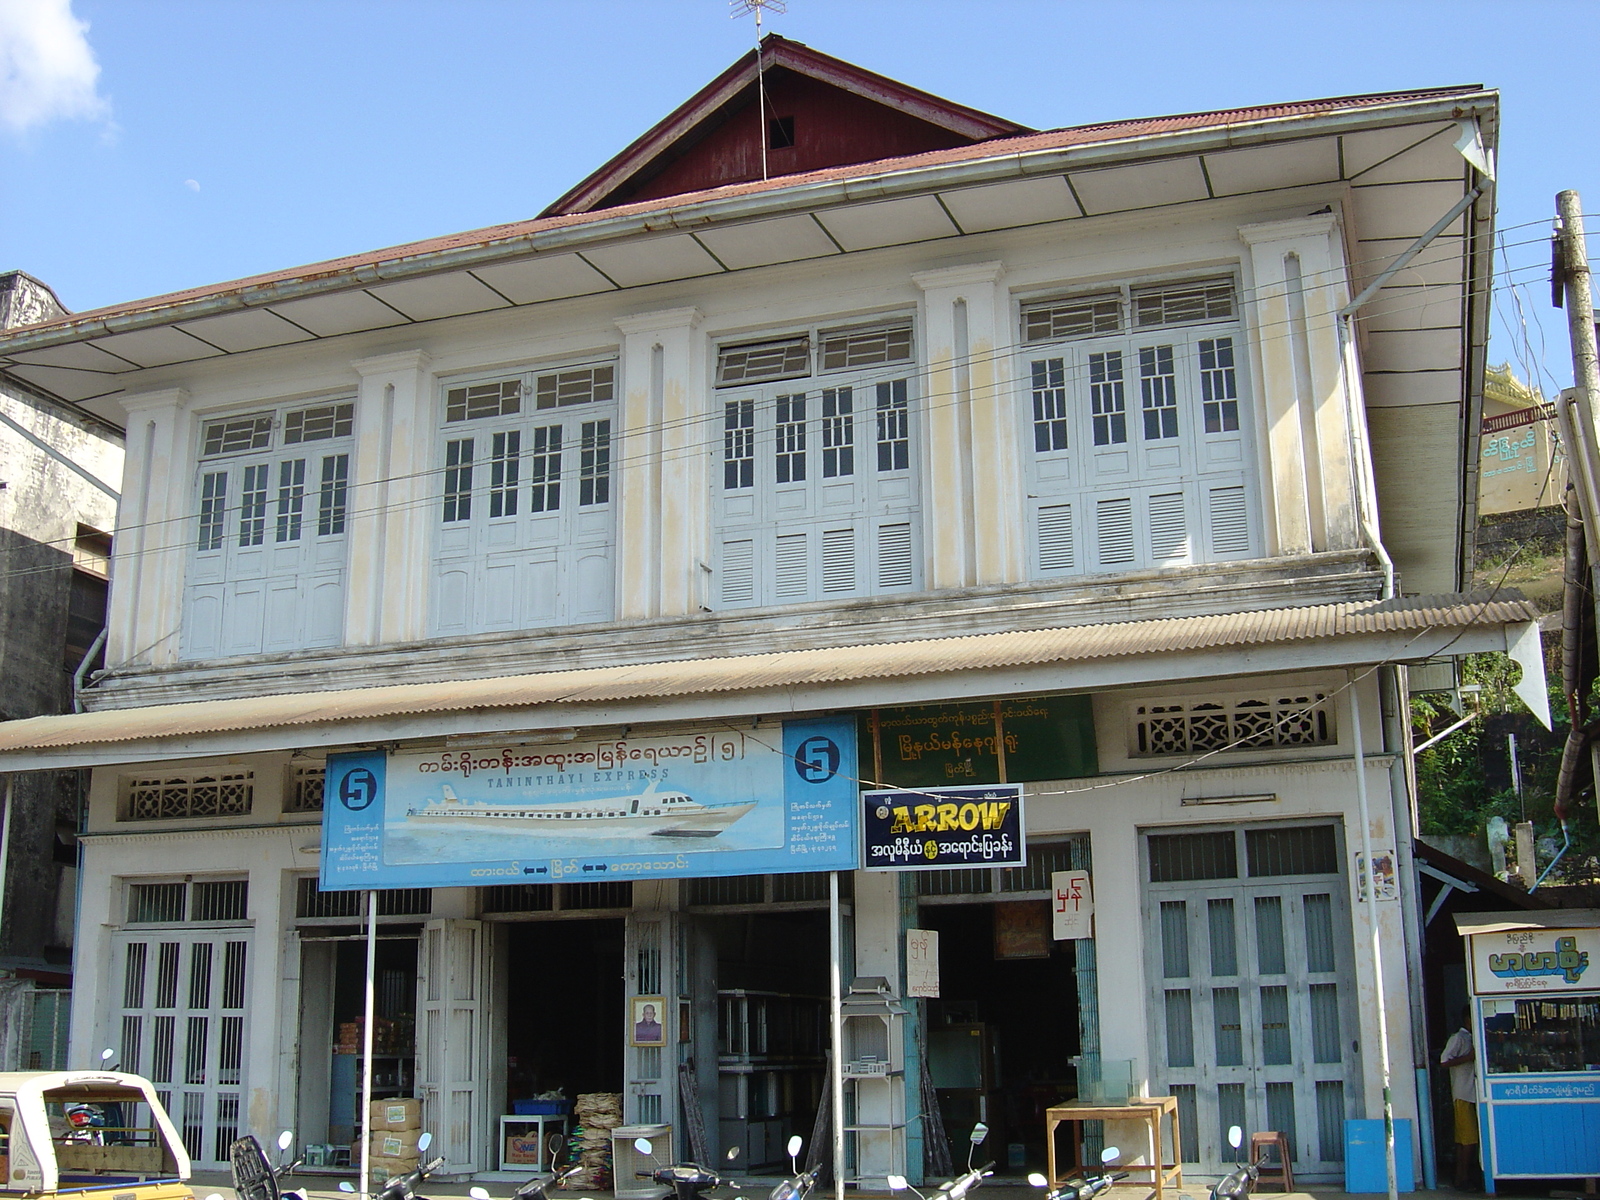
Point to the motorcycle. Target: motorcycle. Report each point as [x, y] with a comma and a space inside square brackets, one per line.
[1241, 1181]
[536, 1188]
[404, 1187]
[687, 1180]
[1081, 1185]
[799, 1184]
[954, 1189]
[254, 1176]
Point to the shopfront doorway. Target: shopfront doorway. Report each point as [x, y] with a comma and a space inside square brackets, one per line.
[1004, 1039]
[564, 1008]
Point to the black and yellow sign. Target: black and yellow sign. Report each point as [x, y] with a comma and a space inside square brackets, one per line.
[924, 829]
[1020, 740]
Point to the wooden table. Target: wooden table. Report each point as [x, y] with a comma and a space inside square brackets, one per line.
[1150, 1110]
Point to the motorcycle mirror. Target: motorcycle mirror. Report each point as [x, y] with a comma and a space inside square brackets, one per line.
[1235, 1136]
[794, 1145]
[897, 1183]
[1037, 1180]
[643, 1146]
[346, 1186]
[107, 1055]
[286, 1139]
[478, 1193]
[424, 1142]
[979, 1132]
[1110, 1155]
[733, 1153]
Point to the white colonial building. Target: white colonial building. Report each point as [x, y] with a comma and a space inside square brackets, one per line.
[1117, 461]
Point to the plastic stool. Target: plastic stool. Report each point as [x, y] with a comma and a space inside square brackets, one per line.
[1283, 1173]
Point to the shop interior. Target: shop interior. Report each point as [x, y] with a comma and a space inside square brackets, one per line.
[333, 991]
[772, 988]
[564, 1013]
[1003, 1034]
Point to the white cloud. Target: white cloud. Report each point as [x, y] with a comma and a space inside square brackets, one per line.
[47, 68]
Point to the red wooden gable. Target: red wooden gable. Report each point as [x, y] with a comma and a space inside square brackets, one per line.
[820, 112]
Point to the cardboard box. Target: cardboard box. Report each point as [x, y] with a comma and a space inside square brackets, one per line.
[395, 1116]
[388, 1168]
[399, 1143]
[524, 1150]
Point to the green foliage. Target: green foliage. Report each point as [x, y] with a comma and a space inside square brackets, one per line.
[1454, 796]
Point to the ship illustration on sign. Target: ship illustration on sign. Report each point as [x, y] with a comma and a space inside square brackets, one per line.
[648, 814]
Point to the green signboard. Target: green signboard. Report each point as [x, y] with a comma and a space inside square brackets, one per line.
[1041, 737]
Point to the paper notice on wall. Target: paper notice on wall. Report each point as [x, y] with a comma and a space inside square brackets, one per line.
[1071, 905]
[922, 963]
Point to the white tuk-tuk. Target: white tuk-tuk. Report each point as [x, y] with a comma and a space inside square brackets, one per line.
[130, 1143]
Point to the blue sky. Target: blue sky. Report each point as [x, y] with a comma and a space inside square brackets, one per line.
[192, 141]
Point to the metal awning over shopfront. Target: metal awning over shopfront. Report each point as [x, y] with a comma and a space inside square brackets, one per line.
[1073, 659]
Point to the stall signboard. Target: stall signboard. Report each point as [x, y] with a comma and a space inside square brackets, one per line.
[698, 803]
[1536, 960]
[930, 829]
[1041, 737]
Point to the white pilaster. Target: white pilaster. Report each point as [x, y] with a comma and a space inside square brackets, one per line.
[392, 500]
[155, 526]
[661, 463]
[972, 484]
[1299, 273]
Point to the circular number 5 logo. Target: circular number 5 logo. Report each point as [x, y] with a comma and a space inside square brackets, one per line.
[817, 760]
[358, 789]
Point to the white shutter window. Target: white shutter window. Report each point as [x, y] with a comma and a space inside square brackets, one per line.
[789, 573]
[894, 555]
[739, 572]
[1056, 552]
[1230, 521]
[1114, 530]
[838, 560]
[846, 348]
[1169, 531]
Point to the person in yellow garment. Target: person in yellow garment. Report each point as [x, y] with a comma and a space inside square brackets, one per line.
[1459, 1057]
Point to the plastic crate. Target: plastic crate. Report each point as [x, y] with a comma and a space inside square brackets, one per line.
[541, 1108]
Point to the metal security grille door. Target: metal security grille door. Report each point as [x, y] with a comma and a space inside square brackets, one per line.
[450, 986]
[1249, 956]
[181, 1024]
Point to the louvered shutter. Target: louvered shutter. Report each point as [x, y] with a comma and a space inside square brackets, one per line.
[1056, 550]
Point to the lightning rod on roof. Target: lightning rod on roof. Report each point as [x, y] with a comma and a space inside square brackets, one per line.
[743, 8]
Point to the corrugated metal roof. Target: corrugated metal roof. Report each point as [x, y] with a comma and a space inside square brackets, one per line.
[1002, 147]
[1552, 918]
[760, 672]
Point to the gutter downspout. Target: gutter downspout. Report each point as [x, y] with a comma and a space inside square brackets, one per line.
[83, 667]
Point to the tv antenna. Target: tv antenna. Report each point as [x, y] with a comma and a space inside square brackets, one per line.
[742, 8]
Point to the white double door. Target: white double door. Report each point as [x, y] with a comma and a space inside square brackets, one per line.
[180, 1022]
[1251, 1015]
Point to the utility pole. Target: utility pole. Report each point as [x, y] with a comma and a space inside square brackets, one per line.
[1573, 263]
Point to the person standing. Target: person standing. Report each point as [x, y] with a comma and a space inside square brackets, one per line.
[1458, 1055]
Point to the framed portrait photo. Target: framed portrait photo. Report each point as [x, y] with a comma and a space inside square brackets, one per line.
[646, 1021]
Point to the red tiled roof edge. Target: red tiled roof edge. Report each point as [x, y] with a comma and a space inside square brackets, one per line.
[1078, 135]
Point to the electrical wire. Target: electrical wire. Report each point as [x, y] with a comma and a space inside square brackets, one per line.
[927, 403]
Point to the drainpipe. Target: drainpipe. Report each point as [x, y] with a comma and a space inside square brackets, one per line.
[83, 668]
[1369, 905]
[1394, 695]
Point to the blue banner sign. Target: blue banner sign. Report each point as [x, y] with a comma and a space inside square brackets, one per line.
[929, 829]
[729, 802]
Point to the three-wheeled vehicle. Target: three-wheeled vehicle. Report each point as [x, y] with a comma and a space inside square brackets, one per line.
[74, 1132]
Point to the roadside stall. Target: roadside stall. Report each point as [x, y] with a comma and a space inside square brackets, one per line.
[1535, 982]
[130, 1144]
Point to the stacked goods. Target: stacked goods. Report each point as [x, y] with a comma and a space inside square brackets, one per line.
[395, 1126]
[598, 1113]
